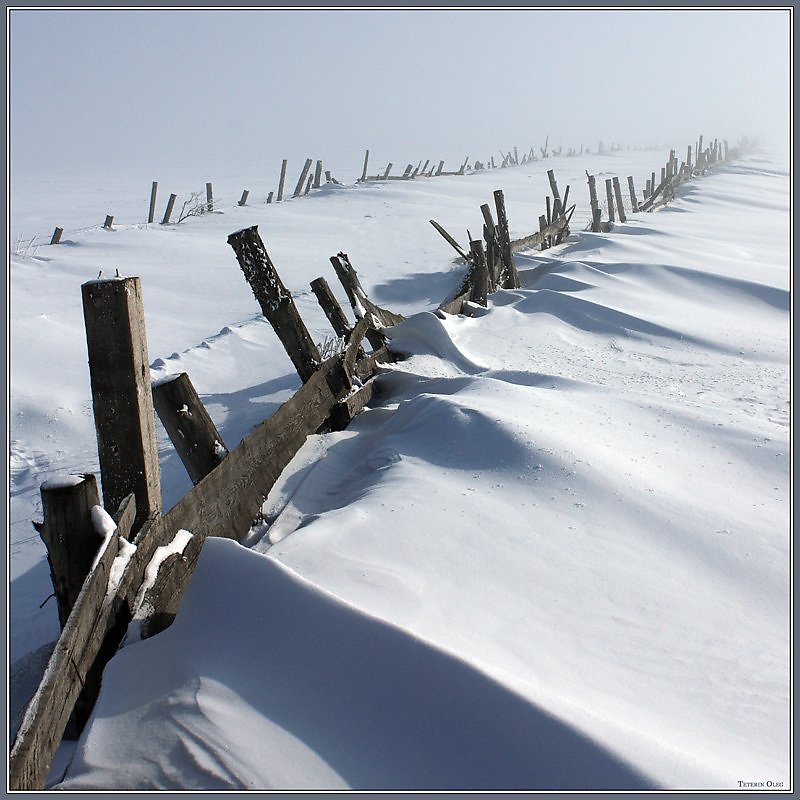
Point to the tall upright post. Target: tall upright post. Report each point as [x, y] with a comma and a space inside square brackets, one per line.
[632, 190]
[209, 198]
[618, 196]
[153, 192]
[282, 180]
[511, 276]
[275, 300]
[317, 175]
[124, 418]
[168, 209]
[595, 205]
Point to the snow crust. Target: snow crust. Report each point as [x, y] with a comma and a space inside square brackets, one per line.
[552, 553]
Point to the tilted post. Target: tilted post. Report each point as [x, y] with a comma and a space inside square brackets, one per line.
[245, 195]
[109, 222]
[168, 210]
[189, 426]
[595, 205]
[317, 175]
[302, 179]
[56, 237]
[124, 417]
[153, 192]
[282, 180]
[511, 277]
[632, 191]
[275, 300]
[330, 305]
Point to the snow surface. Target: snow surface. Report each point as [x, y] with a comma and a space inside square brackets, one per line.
[552, 553]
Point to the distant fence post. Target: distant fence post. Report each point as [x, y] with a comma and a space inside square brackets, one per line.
[269, 198]
[440, 168]
[302, 179]
[153, 192]
[275, 300]
[168, 211]
[632, 190]
[109, 222]
[317, 175]
[618, 195]
[56, 238]
[124, 417]
[388, 170]
[245, 195]
[209, 197]
[190, 428]
[282, 180]
[364, 172]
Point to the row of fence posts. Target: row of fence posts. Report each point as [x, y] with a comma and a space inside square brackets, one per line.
[657, 191]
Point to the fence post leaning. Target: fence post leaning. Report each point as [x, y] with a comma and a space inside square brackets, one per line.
[245, 195]
[317, 174]
[168, 210]
[152, 212]
[302, 179]
[122, 398]
[275, 300]
[632, 190]
[56, 237]
[595, 205]
[364, 171]
[610, 200]
[282, 180]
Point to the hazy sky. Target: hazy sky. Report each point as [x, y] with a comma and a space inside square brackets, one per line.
[145, 87]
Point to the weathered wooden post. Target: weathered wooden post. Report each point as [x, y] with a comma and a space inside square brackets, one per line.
[245, 195]
[610, 200]
[269, 197]
[618, 196]
[109, 222]
[330, 305]
[124, 417]
[364, 171]
[308, 184]
[595, 205]
[689, 158]
[302, 179]
[282, 180]
[189, 426]
[632, 191]
[317, 174]
[440, 168]
[510, 277]
[168, 210]
[69, 535]
[388, 170]
[152, 212]
[542, 226]
[480, 283]
[275, 300]
[209, 198]
[56, 237]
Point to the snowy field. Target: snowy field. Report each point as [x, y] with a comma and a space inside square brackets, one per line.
[553, 553]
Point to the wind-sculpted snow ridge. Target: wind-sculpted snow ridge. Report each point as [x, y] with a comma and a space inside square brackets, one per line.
[267, 682]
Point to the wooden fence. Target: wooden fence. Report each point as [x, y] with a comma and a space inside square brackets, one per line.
[100, 578]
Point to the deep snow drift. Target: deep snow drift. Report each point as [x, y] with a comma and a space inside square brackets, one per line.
[552, 553]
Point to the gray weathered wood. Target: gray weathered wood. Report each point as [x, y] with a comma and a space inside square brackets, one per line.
[595, 205]
[440, 168]
[275, 300]
[449, 239]
[189, 426]
[509, 278]
[282, 180]
[309, 182]
[610, 200]
[364, 172]
[555, 229]
[618, 197]
[56, 238]
[121, 394]
[109, 222]
[151, 215]
[269, 198]
[318, 175]
[330, 305]
[168, 210]
[632, 192]
[69, 536]
[209, 197]
[302, 179]
[480, 273]
[387, 171]
[245, 195]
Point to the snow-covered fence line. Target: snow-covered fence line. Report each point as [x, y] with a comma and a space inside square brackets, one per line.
[661, 192]
[490, 263]
[136, 563]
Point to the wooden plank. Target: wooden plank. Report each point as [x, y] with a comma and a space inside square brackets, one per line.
[168, 210]
[551, 230]
[318, 175]
[509, 278]
[610, 200]
[480, 273]
[449, 239]
[364, 172]
[245, 195]
[189, 426]
[595, 205]
[275, 300]
[359, 301]
[618, 197]
[119, 370]
[632, 191]
[330, 305]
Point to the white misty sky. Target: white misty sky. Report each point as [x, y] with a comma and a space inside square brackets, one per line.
[145, 87]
